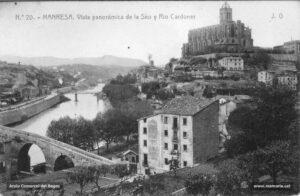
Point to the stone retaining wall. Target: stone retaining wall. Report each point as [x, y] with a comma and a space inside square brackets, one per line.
[24, 112]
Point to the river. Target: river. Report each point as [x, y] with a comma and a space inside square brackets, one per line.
[87, 106]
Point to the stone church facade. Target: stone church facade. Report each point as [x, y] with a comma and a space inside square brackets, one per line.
[228, 36]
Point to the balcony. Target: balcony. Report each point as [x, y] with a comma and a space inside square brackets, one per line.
[175, 138]
[145, 163]
[175, 126]
[175, 152]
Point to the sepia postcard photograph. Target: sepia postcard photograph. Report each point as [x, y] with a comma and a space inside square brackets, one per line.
[149, 98]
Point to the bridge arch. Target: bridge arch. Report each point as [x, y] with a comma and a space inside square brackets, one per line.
[63, 162]
[21, 141]
[24, 158]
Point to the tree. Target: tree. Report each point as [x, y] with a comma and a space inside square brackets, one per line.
[122, 171]
[150, 88]
[164, 94]
[153, 186]
[97, 172]
[221, 71]
[77, 132]
[250, 166]
[199, 184]
[119, 92]
[98, 124]
[239, 143]
[81, 175]
[61, 130]
[274, 158]
[129, 124]
[208, 92]
[83, 136]
[230, 178]
[235, 77]
[126, 79]
[239, 117]
[108, 126]
[269, 119]
[260, 60]
[274, 113]
[136, 108]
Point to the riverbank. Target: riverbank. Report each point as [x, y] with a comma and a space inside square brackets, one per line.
[23, 112]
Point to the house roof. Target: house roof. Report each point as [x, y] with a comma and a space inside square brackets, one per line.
[129, 151]
[185, 105]
[125, 153]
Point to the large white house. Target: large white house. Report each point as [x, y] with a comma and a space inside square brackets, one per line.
[288, 79]
[232, 63]
[185, 130]
[266, 77]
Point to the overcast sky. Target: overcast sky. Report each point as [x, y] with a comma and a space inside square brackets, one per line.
[272, 23]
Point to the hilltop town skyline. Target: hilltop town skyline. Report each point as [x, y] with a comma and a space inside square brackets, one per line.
[137, 38]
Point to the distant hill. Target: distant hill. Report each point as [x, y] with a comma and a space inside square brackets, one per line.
[91, 73]
[54, 61]
[14, 75]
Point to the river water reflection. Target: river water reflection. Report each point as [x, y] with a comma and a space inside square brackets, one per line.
[87, 106]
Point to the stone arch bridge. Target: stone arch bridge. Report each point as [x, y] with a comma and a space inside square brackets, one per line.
[19, 143]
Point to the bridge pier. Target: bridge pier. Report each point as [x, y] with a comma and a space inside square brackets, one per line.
[76, 97]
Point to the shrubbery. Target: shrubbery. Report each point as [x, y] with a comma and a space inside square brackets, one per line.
[269, 121]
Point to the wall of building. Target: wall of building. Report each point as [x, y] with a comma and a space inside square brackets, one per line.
[180, 140]
[153, 148]
[288, 80]
[284, 57]
[19, 114]
[166, 153]
[186, 156]
[206, 133]
[232, 63]
[156, 140]
[265, 77]
[292, 46]
[131, 157]
[224, 111]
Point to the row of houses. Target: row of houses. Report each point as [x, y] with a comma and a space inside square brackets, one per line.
[178, 68]
[286, 78]
[200, 68]
[292, 47]
[22, 93]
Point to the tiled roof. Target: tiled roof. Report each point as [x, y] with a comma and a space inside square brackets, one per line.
[185, 105]
[121, 154]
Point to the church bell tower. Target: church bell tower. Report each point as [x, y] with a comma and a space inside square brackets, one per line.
[225, 13]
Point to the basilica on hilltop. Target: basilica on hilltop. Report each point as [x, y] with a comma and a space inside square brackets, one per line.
[228, 36]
